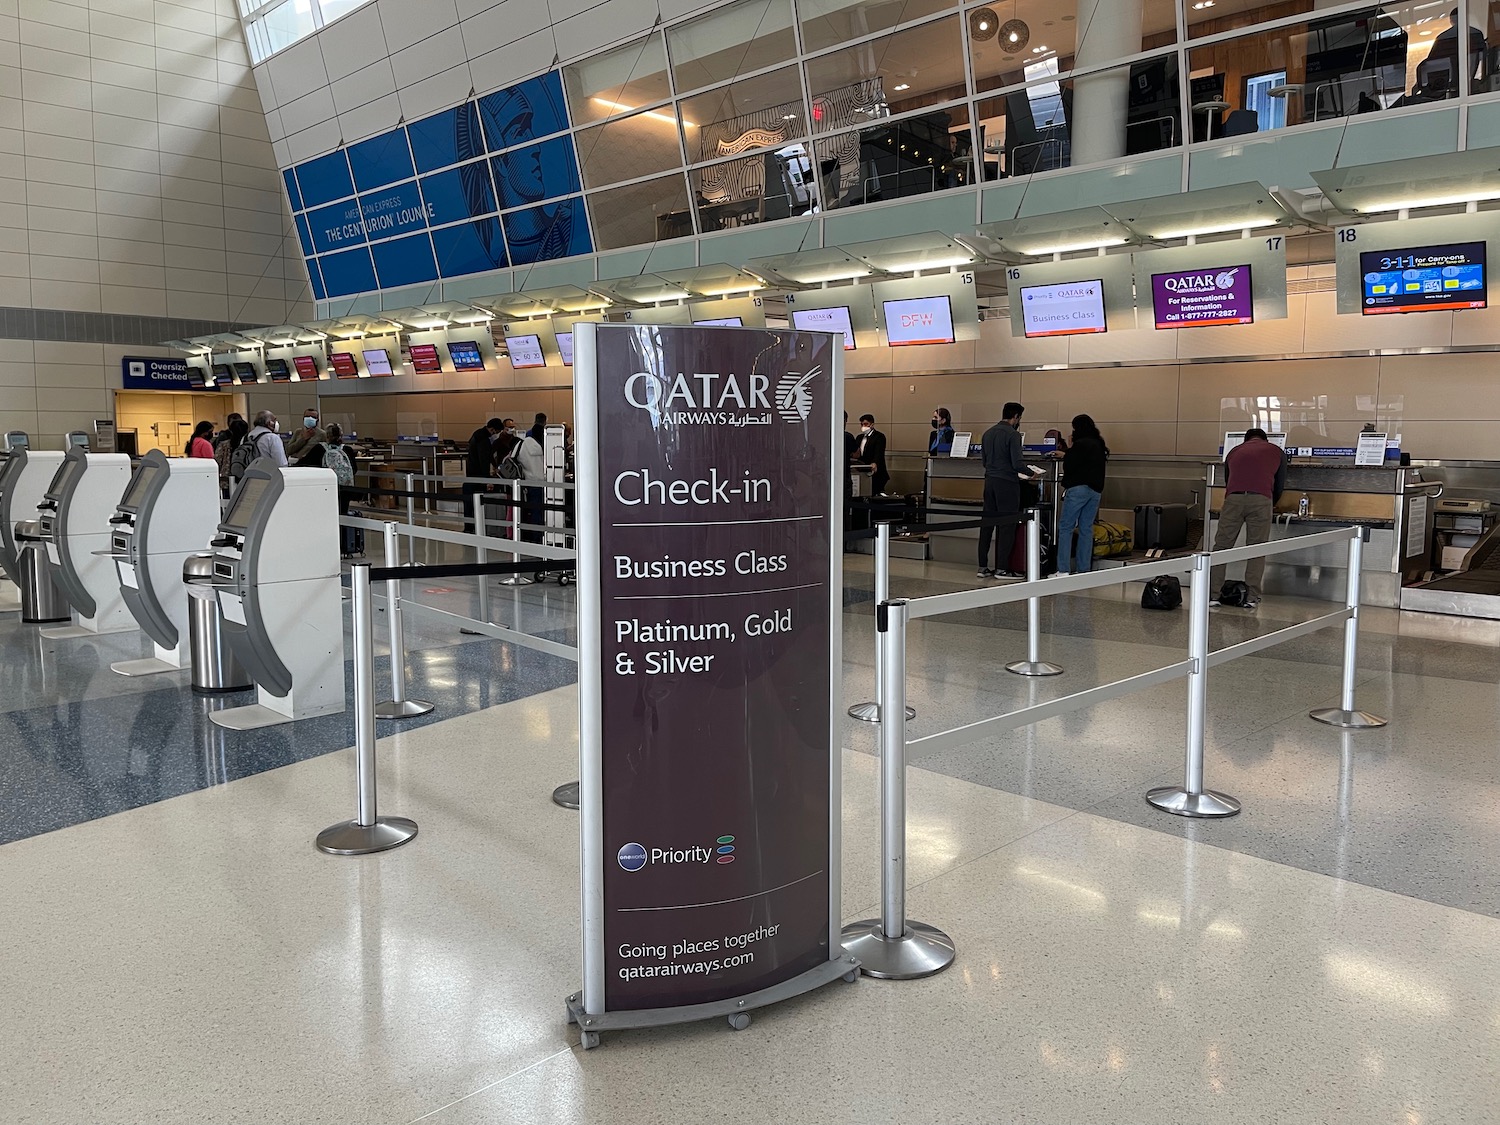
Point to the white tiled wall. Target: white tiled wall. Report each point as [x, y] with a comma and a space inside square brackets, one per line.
[396, 59]
[136, 177]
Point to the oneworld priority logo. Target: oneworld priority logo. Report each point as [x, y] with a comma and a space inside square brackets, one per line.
[726, 849]
[632, 857]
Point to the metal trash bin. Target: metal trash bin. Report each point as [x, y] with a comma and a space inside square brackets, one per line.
[215, 669]
[42, 603]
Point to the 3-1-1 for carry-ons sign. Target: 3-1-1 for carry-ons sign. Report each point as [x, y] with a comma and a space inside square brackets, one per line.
[709, 529]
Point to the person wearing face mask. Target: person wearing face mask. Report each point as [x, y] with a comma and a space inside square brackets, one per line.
[307, 435]
[265, 438]
[869, 449]
[1003, 469]
[941, 440]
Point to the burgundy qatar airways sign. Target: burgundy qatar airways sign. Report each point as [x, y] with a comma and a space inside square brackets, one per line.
[708, 659]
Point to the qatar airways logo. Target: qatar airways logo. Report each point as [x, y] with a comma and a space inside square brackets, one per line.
[1206, 282]
[714, 398]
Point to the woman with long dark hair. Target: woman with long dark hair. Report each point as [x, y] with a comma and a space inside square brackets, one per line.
[1083, 484]
[201, 444]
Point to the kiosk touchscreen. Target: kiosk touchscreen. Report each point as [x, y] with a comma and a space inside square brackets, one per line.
[74, 516]
[168, 512]
[276, 573]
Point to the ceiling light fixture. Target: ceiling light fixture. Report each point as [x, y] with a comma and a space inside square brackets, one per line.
[1014, 35]
[902, 86]
[983, 23]
[1221, 228]
[620, 107]
[1071, 247]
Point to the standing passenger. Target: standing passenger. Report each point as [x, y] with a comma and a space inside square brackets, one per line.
[1003, 467]
[1083, 484]
[1255, 473]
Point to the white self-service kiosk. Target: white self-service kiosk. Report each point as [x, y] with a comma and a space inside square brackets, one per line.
[168, 512]
[24, 477]
[16, 440]
[74, 516]
[276, 573]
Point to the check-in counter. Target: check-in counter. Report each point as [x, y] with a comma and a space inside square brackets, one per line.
[958, 482]
[1393, 502]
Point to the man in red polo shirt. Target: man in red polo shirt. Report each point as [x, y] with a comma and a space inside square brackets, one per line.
[1255, 473]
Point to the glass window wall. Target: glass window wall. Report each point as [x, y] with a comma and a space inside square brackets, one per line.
[912, 156]
[639, 213]
[1007, 37]
[761, 112]
[629, 148]
[826, 23]
[736, 39]
[773, 184]
[908, 70]
[618, 81]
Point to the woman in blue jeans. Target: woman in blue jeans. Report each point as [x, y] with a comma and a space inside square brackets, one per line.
[1083, 484]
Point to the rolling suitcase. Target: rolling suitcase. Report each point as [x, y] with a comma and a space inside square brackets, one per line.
[1161, 525]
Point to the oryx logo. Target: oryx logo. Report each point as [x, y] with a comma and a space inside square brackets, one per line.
[632, 857]
[793, 398]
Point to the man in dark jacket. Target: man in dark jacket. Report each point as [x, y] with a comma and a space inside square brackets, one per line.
[869, 449]
[479, 462]
[1003, 467]
[1255, 474]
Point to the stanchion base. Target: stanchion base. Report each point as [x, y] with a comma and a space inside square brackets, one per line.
[351, 838]
[513, 580]
[1033, 668]
[566, 795]
[1179, 802]
[870, 712]
[406, 709]
[1349, 720]
[150, 666]
[920, 952]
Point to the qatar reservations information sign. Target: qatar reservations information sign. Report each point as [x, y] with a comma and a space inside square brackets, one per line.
[1200, 298]
[709, 657]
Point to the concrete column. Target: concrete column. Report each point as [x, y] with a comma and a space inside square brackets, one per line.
[1107, 30]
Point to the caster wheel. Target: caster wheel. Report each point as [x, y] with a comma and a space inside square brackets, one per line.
[565, 580]
[739, 1021]
[851, 976]
[588, 1040]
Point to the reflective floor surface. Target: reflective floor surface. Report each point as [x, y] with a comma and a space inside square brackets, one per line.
[1327, 956]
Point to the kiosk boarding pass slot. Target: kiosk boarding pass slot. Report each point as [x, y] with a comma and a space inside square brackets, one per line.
[276, 577]
[168, 512]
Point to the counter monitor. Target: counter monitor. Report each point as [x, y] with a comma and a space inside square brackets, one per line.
[222, 373]
[343, 365]
[835, 319]
[565, 345]
[424, 359]
[1070, 308]
[1202, 298]
[1237, 437]
[918, 320]
[246, 373]
[465, 355]
[378, 361]
[198, 378]
[525, 351]
[307, 368]
[278, 370]
[1423, 279]
[722, 322]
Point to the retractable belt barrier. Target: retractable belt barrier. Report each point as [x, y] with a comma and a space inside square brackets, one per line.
[897, 947]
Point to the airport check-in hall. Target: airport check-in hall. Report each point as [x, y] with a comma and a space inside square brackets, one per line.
[660, 561]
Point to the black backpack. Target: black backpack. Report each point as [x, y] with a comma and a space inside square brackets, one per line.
[244, 453]
[1234, 593]
[1162, 592]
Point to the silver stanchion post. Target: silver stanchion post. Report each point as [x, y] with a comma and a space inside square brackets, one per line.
[411, 517]
[368, 831]
[481, 529]
[1192, 799]
[1033, 665]
[893, 946]
[515, 535]
[1346, 714]
[870, 712]
[397, 706]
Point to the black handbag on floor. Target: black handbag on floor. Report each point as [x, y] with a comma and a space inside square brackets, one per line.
[1162, 592]
[1234, 593]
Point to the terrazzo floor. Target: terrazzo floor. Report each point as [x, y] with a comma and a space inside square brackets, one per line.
[176, 951]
